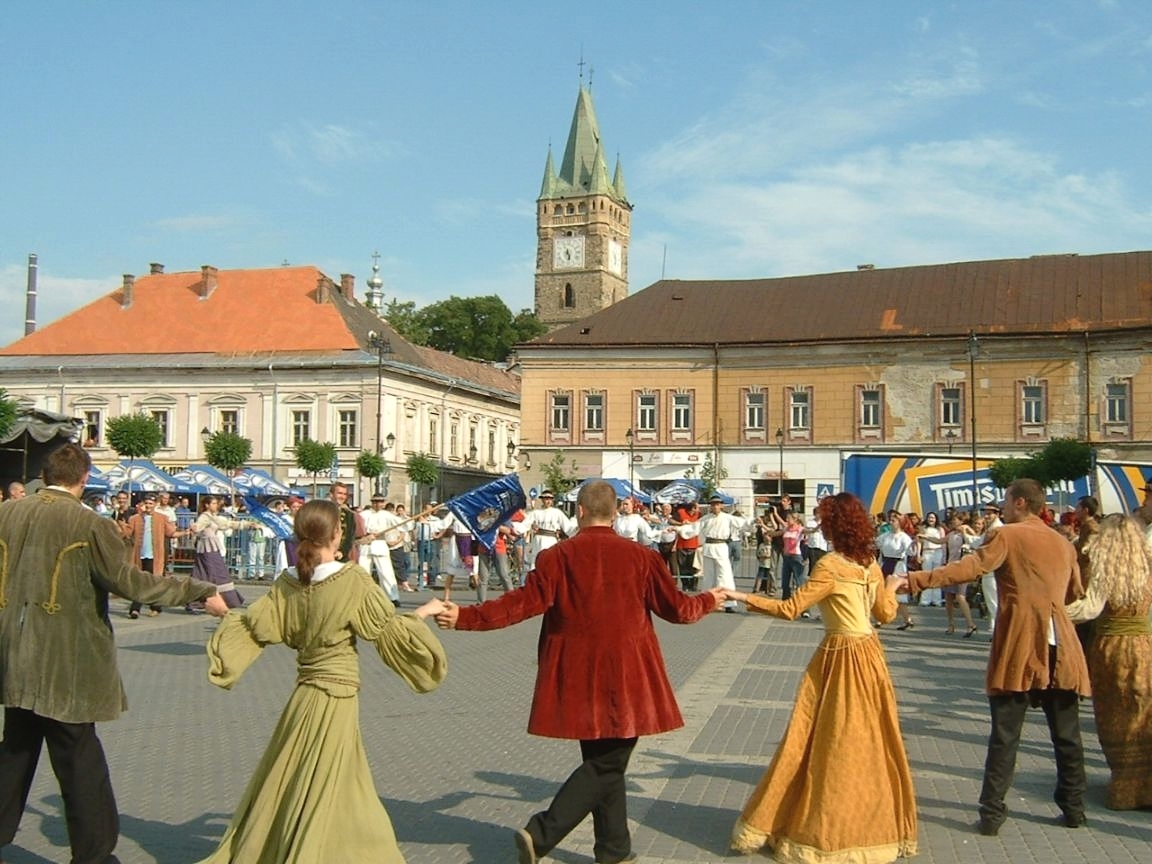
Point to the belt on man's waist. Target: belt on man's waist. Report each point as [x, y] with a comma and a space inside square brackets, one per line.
[546, 532]
[715, 539]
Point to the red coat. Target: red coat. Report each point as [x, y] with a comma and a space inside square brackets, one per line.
[600, 673]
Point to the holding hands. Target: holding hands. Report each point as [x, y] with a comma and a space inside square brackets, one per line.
[896, 584]
[446, 617]
[433, 608]
[215, 606]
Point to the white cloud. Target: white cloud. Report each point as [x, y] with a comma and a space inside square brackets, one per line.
[195, 223]
[330, 144]
[56, 296]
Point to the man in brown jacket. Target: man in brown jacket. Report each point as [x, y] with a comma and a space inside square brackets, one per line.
[149, 533]
[58, 675]
[1036, 658]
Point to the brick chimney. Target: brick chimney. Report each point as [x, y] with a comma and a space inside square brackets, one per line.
[207, 281]
[324, 289]
[127, 291]
[348, 286]
[155, 268]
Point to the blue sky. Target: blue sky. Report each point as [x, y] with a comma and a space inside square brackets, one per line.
[757, 138]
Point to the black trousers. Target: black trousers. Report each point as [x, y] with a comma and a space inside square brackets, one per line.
[81, 770]
[596, 787]
[1062, 711]
[145, 564]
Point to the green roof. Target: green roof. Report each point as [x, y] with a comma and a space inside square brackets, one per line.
[583, 170]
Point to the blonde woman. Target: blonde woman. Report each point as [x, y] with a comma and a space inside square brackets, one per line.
[1120, 656]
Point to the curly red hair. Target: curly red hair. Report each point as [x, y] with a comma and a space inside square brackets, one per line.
[848, 526]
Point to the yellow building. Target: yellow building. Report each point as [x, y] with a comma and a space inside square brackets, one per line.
[777, 380]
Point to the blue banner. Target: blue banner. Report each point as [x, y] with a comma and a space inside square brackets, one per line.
[487, 507]
[279, 523]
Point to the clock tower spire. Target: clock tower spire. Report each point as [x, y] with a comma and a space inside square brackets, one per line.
[583, 226]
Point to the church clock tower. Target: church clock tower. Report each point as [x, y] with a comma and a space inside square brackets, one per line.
[583, 225]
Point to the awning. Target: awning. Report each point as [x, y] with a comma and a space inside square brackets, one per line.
[212, 479]
[686, 491]
[261, 482]
[141, 475]
[624, 489]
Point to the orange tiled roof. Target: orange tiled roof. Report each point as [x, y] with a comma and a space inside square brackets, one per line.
[248, 311]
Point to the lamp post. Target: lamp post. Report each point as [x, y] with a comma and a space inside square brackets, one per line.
[511, 461]
[382, 486]
[629, 436]
[950, 437]
[381, 346]
[780, 446]
[472, 455]
[973, 351]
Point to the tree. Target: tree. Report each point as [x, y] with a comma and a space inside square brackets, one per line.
[1003, 471]
[560, 476]
[228, 452]
[314, 457]
[424, 472]
[370, 465]
[7, 412]
[135, 436]
[1062, 460]
[479, 328]
[712, 474]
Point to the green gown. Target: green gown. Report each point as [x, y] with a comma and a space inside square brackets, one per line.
[311, 799]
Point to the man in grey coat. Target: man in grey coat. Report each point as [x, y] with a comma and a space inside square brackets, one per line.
[59, 561]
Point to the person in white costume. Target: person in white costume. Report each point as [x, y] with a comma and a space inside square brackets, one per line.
[717, 528]
[546, 523]
[631, 525]
[377, 522]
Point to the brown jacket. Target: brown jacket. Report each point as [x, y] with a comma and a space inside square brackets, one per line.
[1036, 574]
[162, 529]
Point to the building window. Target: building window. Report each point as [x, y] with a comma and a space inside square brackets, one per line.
[93, 427]
[1116, 403]
[301, 426]
[434, 442]
[161, 418]
[569, 296]
[1032, 403]
[230, 421]
[754, 410]
[593, 412]
[871, 407]
[681, 412]
[454, 438]
[951, 406]
[646, 412]
[800, 410]
[561, 412]
[347, 423]
[491, 446]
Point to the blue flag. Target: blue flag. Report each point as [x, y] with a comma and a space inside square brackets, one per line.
[279, 523]
[487, 507]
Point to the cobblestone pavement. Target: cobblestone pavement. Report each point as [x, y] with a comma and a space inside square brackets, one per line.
[456, 769]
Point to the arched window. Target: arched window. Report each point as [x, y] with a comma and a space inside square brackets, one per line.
[559, 211]
[570, 210]
[569, 296]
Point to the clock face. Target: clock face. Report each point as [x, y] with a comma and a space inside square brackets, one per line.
[568, 253]
[615, 257]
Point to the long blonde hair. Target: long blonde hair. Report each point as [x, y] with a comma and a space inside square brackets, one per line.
[1121, 559]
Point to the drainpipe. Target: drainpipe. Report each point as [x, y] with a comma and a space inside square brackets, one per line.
[275, 414]
[716, 408]
[1092, 484]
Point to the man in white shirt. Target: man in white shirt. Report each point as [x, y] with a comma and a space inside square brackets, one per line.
[717, 528]
[548, 524]
[631, 525]
[377, 522]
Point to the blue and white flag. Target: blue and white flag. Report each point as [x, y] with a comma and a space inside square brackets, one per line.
[487, 507]
[278, 523]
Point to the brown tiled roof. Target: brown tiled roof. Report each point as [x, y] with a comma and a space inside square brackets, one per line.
[248, 312]
[1043, 294]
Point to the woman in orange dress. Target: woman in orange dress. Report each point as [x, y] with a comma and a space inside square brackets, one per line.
[839, 787]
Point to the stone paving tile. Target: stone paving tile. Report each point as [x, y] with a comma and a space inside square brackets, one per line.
[456, 769]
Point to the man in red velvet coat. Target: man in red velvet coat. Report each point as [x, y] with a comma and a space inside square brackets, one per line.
[597, 592]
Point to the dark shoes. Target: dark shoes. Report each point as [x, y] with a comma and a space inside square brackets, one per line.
[133, 614]
[1073, 820]
[525, 847]
[629, 860]
[988, 827]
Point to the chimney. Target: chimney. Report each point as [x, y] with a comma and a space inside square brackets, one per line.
[155, 269]
[127, 291]
[30, 297]
[324, 288]
[865, 266]
[348, 286]
[207, 281]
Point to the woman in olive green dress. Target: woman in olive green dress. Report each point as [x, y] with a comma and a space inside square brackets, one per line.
[311, 799]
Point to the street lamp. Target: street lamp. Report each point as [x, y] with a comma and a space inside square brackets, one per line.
[205, 434]
[510, 463]
[629, 437]
[950, 437]
[780, 445]
[384, 479]
[381, 346]
[472, 455]
[973, 351]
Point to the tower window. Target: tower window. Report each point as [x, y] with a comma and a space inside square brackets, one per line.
[570, 210]
[569, 296]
